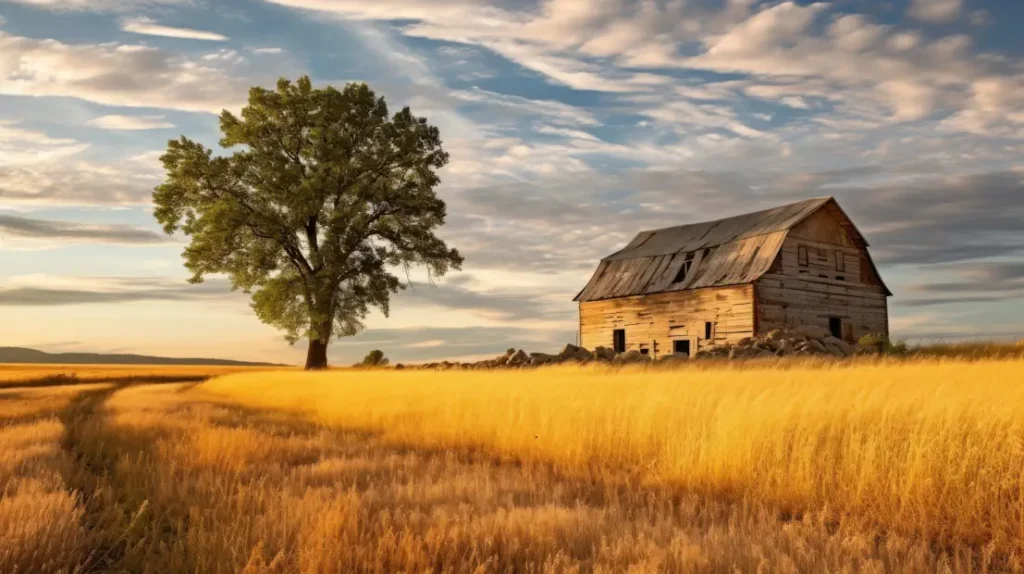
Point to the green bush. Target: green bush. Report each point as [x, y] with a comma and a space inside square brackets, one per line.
[880, 343]
[374, 358]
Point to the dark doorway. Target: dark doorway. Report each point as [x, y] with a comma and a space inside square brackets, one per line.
[619, 340]
[835, 326]
[681, 347]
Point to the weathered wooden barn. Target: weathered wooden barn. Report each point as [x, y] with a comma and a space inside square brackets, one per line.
[679, 289]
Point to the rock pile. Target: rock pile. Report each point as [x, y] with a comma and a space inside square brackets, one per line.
[798, 342]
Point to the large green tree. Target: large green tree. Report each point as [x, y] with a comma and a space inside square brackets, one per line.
[324, 200]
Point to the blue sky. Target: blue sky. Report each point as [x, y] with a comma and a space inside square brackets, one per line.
[571, 125]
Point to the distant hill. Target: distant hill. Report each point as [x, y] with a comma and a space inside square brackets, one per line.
[22, 355]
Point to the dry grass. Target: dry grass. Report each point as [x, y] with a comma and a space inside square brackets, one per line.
[25, 375]
[41, 526]
[805, 469]
[202, 487]
[932, 448]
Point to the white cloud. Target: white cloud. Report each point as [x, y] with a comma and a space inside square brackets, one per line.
[147, 26]
[95, 5]
[19, 146]
[119, 122]
[115, 74]
[75, 182]
[268, 50]
[935, 10]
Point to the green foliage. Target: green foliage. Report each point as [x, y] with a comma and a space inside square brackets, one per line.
[323, 201]
[880, 343]
[374, 358]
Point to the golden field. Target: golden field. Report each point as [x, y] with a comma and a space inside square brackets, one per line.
[18, 375]
[872, 467]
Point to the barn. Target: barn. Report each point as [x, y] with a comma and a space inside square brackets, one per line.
[681, 289]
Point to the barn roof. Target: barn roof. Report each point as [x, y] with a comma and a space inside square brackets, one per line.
[726, 251]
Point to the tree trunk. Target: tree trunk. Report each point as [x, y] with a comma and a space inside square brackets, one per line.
[316, 356]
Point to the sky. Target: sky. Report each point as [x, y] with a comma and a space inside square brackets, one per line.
[571, 126]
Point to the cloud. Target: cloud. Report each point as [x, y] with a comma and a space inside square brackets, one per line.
[268, 50]
[25, 146]
[873, 74]
[935, 10]
[941, 219]
[119, 122]
[496, 304]
[421, 344]
[148, 27]
[45, 291]
[80, 183]
[95, 5]
[63, 231]
[116, 75]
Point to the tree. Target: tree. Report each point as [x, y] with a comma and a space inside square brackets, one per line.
[325, 200]
[374, 358]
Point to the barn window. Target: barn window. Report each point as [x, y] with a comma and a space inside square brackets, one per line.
[681, 347]
[840, 262]
[709, 330]
[619, 340]
[823, 276]
[822, 254]
[840, 278]
[801, 255]
[645, 351]
[684, 269]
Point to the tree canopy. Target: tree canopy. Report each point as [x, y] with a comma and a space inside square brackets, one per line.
[325, 201]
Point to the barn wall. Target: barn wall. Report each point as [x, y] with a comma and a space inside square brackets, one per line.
[655, 321]
[792, 295]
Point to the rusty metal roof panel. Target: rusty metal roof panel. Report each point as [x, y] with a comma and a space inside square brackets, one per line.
[697, 236]
[733, 263]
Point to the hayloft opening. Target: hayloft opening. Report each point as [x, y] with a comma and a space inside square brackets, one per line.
[684, 269]
[619, 340]
[801, 255]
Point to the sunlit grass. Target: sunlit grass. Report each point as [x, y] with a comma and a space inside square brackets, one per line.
[17, 374]
[930, 447]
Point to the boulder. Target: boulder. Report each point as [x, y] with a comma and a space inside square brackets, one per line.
[834, 350]
[519, 358]
[573, 352]
[785, 347]
[745, 342]
[845, 347]
[568, 351]
[775, 334]
[815, 345]
[604, 353]
[629, 357]
[543, 358]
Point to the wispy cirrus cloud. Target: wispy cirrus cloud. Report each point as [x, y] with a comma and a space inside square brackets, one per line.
[49, 290]
[61, 232]
[96, 5]
[130, 123]
[149, 27]
[116, 75]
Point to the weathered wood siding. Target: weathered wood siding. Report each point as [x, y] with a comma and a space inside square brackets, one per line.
[653, 322]
[791, 294]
